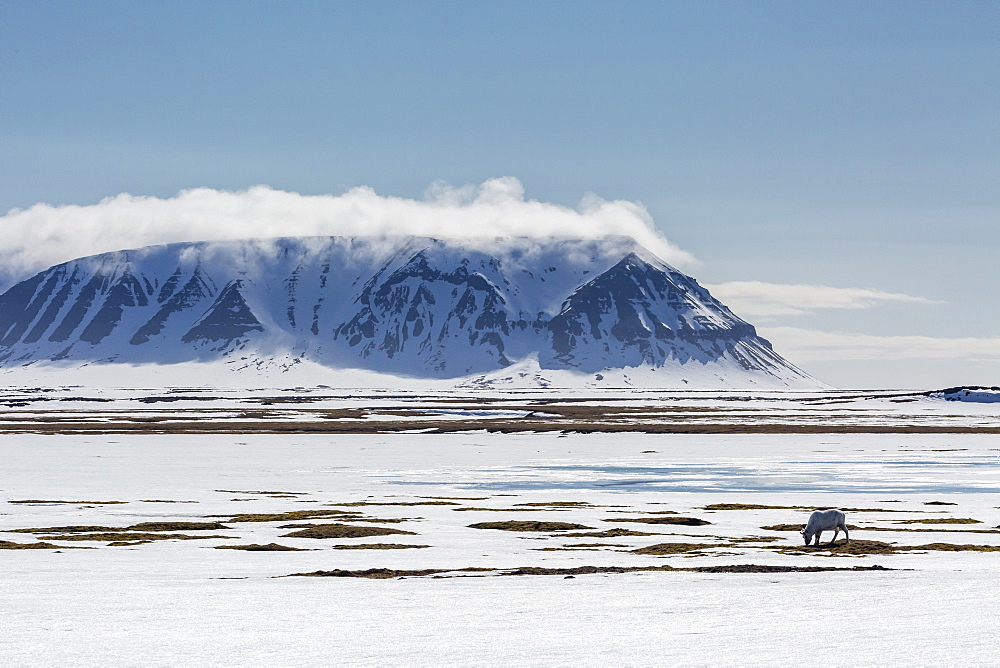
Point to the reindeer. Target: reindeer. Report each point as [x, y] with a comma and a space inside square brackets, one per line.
[824, 520]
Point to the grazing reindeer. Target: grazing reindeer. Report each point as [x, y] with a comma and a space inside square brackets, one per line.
[824, 520]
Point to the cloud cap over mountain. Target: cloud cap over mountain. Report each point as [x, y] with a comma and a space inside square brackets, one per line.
[43, 235]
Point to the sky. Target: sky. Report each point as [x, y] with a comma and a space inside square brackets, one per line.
[829, 170]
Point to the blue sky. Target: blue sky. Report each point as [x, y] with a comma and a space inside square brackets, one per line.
[852, 145]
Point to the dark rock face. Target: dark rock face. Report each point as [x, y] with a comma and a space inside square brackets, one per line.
[421, 307]
[197, 288]
[638, 314]
[227, 319]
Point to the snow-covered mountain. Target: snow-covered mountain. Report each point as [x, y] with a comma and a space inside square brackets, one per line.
[418, 307]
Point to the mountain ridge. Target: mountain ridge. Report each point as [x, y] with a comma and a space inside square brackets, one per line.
[412, 306]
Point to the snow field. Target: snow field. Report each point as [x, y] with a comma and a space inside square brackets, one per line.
[173, 602]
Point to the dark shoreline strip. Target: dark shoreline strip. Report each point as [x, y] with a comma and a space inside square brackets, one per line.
[386, 573]
[460, 426]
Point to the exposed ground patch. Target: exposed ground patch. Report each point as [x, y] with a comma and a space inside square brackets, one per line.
[854, 548]
[609, 533]
[270, 547]
[515, 525]
[673, 548]
[49, 502]
[353, 504]
[559, 504]
[379, 546]
[293, 515]
[683, 521]
[142, 526]
[261, 492]
[868, 547]
[345, 531]
[164, 501]
[128, 537]
[508, 510]
[386, 573]
[756, 506]
[8, 545]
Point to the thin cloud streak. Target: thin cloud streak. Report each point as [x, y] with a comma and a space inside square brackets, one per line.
[760, 299]
[809, 345]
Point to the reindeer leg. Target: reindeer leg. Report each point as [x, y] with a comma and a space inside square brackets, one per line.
[818, 534]
[847, 536]
[836, 532]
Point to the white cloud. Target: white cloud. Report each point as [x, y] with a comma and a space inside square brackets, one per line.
[808, 345]
[42, 235]
[759, 299]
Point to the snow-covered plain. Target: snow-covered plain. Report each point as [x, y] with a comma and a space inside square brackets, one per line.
[183, 602]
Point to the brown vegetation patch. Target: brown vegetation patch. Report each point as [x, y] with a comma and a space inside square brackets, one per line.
[683, 521]
[344, 531]
[379, 520]
[759, 568]
[867, 547]
[595, 545]
[854, 548]
[515, 525]
[261, 493]
[672, 548]
[939, 503]
[142, 526]
[8, 545]
[164, 501]
[378, 546]
[290, 515]
[749, 506]
[870, 510]
[598, 420]
[392, 503]
[372, 573]
[457, 498]
[178, 526]
[349, 518]
[950, 547]
[911, 530]
[756, 506]
[852, 527]
[385, 573]
[751, 539]
[70, 503]
[75, 528]
[609, 533]
[506, 510]
[582, 570]
[128, 537]
[559, 504]
[270, 547]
